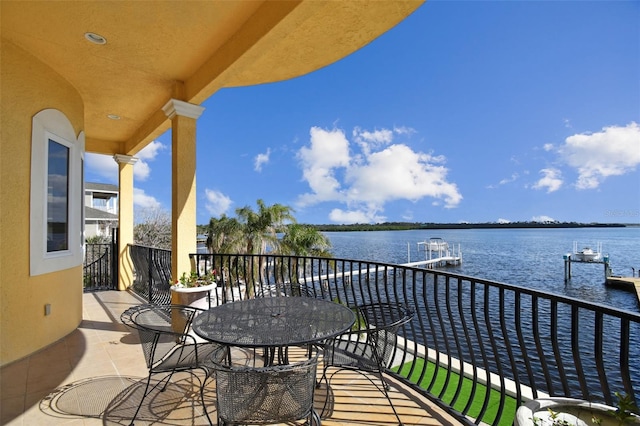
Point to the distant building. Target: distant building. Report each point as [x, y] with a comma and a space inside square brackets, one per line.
[100, 209]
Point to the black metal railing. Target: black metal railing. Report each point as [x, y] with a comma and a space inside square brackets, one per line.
[152, 268]
[480, 348]
[477, 346]
[100, 265]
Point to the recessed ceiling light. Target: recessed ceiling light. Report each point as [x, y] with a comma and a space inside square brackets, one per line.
[95, 38]
[114, 116]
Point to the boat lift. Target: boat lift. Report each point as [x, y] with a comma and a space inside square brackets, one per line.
[437, 253]
[586, 255]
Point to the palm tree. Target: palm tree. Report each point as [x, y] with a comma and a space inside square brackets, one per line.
[304, 240]
[260, 229]
[224, 235]
[301, 240]
[254, 232]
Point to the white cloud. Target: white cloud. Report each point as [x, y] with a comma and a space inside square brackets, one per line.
[102, 165]
[503, 221]
[398, 172]
[151, 151]
[372, 140]
[328, 150]
[543, 219]
[365, 179]
[141, 199]
[596, 156]
[217, 203]
[141, 169]
[408, 216]
[513, 178]
[548, 147]
[551, 180]
[261, 159]
[354, 216]
[404, 130]
[106, 167]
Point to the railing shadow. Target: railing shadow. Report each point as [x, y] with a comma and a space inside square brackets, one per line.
[114, 400]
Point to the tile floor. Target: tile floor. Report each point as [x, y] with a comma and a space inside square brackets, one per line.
[95, 375]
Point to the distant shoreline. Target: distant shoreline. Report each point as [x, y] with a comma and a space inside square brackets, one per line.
[401, 226]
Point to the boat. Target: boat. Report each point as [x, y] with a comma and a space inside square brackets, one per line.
[434, 244]
[587, 254]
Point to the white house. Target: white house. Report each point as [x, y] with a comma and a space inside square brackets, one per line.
[100, 209]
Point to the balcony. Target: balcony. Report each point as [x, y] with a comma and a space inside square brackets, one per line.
[475, 350]
[96, 374]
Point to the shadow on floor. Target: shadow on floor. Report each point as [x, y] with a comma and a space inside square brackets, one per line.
[114, 399]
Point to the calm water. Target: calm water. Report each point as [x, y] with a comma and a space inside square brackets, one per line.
[527, 257]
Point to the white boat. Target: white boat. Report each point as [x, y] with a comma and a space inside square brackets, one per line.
[587, 254]
[434, 244]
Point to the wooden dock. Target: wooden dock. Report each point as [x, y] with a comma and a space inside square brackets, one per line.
[627, 283]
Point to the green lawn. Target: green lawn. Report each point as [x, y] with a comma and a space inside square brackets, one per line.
[489, 417]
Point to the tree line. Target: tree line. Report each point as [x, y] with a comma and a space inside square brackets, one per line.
[405, 226]
[274, 229]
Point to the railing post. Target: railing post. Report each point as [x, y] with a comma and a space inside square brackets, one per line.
[150, 272]
[114, 259]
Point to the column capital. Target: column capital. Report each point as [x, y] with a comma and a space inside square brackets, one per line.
[175, 107]
[125, 159]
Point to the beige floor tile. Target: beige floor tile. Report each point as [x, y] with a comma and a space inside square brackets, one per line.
[96, 375]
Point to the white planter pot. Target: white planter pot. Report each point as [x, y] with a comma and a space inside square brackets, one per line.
[192, 296]
[575, 412]
[196, 297]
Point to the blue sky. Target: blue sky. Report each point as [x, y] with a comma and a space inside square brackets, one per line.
[474, 111]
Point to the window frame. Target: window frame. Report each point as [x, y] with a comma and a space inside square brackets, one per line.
[51, 124]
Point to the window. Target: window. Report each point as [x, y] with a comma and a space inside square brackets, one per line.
[56, 216]
[57, 197]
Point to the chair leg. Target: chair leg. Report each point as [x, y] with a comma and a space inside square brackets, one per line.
[324, 377]
[147, 391]
[144, 395]
[203, 385]
[385, 391]
[314, 419]
[327, 380]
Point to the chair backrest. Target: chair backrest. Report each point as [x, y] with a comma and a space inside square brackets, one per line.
[160, 328]
[265, 395]
[381, 322]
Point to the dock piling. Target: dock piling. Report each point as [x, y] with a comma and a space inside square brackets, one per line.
[568, 261]
[567, 267]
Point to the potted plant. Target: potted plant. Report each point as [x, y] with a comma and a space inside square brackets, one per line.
[556, 411]
[191, 290]
[194, 290]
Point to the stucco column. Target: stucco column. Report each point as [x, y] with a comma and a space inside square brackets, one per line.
[125, 219]
[183, 117]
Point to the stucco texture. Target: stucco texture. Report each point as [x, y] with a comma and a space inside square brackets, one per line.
[27, 87]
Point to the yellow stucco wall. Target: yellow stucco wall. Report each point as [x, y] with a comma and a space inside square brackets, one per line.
[27, 86]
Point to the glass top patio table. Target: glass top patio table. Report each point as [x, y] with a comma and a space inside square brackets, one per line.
[273, 322]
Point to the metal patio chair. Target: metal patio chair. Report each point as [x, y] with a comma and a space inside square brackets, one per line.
[369, 346]
[167, 344]
[265, 395]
